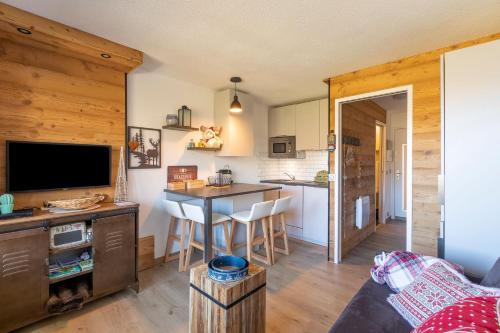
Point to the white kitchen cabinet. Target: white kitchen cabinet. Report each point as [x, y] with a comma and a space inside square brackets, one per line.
[308, 122]
[293, 216]
[323, 123]
[307, 125]
[315, 215]
[282, 121]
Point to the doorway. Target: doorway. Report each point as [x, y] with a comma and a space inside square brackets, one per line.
[372, 161]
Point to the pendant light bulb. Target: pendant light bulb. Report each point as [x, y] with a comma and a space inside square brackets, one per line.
[235, 105]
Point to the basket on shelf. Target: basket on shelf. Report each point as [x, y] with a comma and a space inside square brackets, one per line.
[80, 203]
[220, 180]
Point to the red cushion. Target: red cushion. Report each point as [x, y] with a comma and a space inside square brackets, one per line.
[475, 314]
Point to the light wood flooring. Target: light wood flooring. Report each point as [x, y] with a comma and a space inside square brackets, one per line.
[389, 237]
[305, 293]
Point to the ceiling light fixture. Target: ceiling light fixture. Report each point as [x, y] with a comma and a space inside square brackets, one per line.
[105, 55]
[24, 31]
[235, 105]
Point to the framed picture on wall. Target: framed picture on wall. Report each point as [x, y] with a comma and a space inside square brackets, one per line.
[144, 148]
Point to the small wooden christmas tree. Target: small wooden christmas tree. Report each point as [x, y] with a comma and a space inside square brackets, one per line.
[121, 180]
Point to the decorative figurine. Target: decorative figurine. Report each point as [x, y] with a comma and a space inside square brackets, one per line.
[210, 135]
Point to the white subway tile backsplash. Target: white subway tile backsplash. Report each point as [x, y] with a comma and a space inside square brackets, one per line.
[303, 169]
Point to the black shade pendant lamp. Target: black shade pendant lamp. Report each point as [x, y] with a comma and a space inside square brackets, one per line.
[235, 105]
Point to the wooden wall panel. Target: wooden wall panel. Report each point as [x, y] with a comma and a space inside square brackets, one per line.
[358, 120]
[67, 40]
[423, 73]
[56, 93]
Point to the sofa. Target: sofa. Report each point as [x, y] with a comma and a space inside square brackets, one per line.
[369, 311]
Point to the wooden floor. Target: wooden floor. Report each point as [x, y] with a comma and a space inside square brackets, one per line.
[389, 237]
[305, 293]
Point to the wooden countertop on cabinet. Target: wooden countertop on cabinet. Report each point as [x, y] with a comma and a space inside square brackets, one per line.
[41, 216]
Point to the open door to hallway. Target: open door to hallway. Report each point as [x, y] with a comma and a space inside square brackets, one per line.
[373, 178]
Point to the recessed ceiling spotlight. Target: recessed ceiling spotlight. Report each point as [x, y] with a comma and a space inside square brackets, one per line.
[105, 55]
[24, 31]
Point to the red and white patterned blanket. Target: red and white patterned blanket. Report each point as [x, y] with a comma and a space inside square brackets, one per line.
[400, 268]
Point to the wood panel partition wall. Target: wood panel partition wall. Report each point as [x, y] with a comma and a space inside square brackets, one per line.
[423, 72]
[358, 175]
[56, 85]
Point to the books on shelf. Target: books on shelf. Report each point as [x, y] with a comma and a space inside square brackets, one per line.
[61, 269]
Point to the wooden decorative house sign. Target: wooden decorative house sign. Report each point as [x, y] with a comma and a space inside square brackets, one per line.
[182, 173]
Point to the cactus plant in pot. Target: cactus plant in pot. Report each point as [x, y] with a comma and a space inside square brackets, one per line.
[6, 203]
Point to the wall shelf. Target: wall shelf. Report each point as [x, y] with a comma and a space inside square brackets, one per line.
[206, 149]
[181, 128]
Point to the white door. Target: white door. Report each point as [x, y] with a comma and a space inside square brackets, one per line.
[399, 172]
[471, 156]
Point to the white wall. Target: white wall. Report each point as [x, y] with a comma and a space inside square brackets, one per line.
[302, 169]
[150, 97]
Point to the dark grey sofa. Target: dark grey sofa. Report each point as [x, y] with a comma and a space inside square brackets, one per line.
[369, 312]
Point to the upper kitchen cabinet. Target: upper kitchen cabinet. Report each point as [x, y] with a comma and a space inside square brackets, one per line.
[282, 121]
[307, 126]
[323, 123]
[241, 132]
[308, 122]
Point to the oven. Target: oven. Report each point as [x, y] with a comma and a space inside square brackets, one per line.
[282, 147]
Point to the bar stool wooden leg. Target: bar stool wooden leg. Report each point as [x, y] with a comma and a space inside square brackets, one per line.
[227, 238]
[234, 227]
[182, 242]
[249, 241]
[170, 239]
[285, 233]
[192, 230]
[265, 232]
[271, 234]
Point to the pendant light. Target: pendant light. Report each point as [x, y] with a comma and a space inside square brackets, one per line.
[235, 105]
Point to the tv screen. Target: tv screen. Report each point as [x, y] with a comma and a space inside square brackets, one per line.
[38, 166]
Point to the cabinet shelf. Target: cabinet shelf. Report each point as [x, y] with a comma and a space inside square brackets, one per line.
[206, 149]
[181, 128]
[66, 249]
[69, 276]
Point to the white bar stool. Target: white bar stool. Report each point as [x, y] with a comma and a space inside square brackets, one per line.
[174, 209]
[260, 212]
[279, 208]
[195, 214]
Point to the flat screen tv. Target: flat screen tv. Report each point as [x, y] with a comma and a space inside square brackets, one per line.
[42, 166]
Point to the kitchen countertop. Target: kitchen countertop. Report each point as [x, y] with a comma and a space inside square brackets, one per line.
[235, 189]
[296, 182]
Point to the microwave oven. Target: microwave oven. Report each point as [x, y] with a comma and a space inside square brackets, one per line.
[282, 147]
[68, 235]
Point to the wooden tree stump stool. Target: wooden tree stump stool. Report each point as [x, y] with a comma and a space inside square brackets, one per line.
[217, 307]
